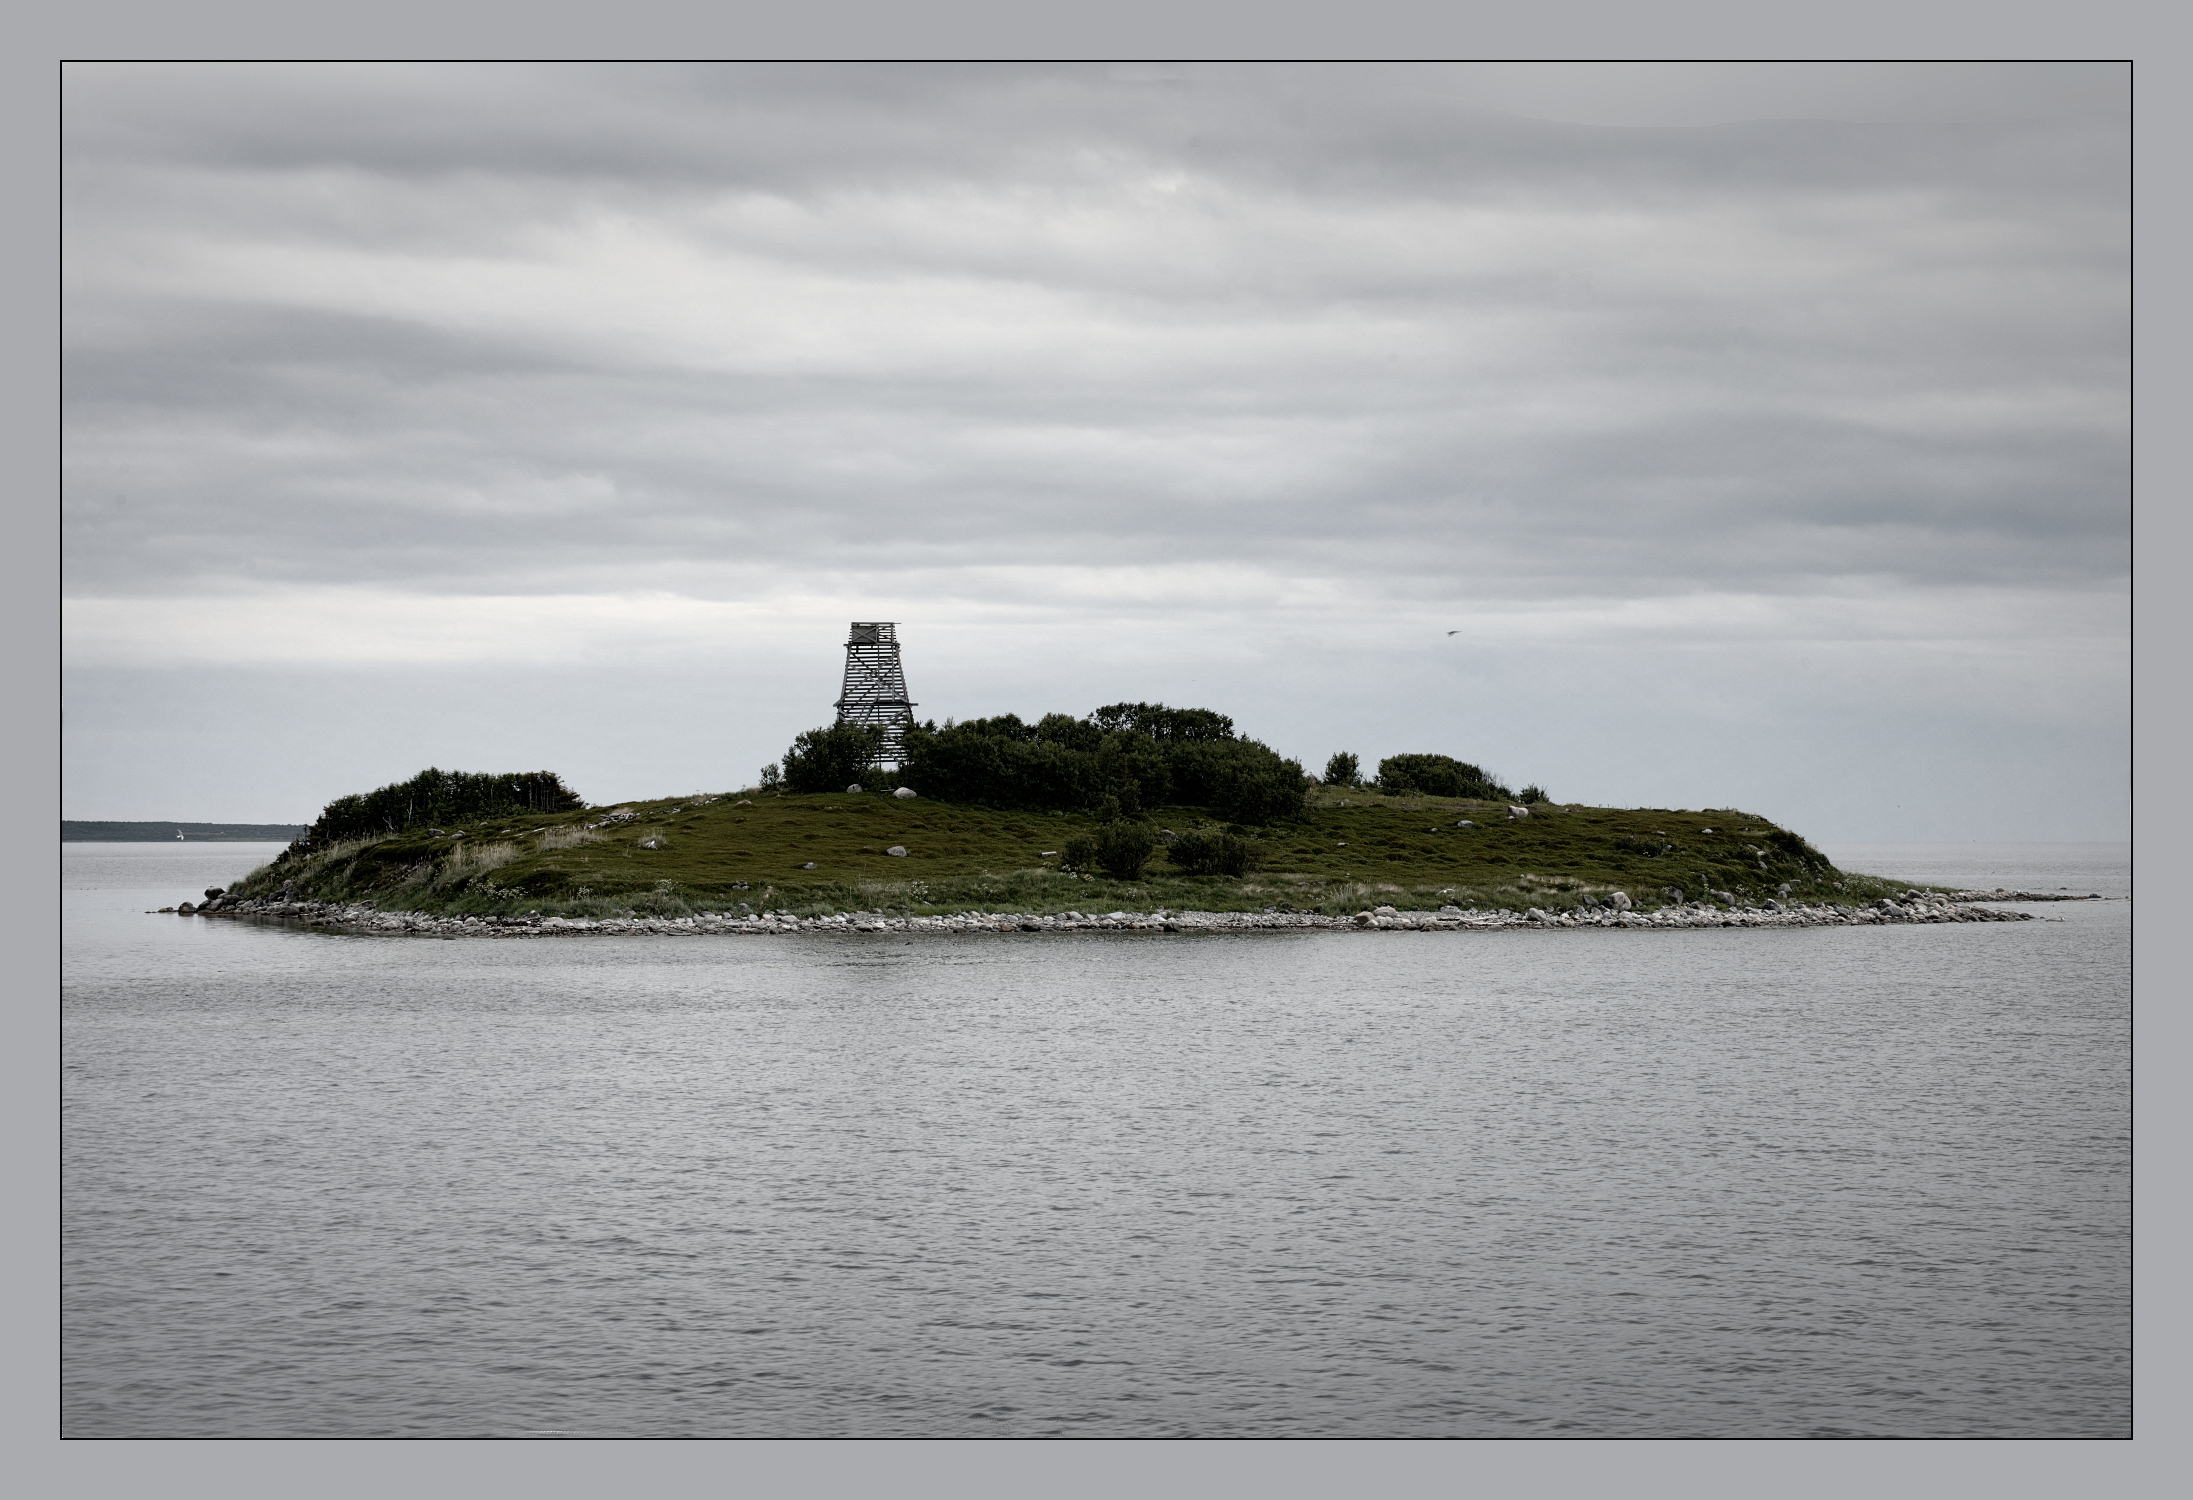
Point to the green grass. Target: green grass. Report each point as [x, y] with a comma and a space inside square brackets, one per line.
[677, 855]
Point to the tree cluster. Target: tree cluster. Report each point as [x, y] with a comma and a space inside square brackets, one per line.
[435, 797]
[1118, 762]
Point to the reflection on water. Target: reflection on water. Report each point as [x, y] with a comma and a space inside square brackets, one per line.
[1841, 1181]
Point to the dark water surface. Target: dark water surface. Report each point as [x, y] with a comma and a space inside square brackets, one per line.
[1710, 1183]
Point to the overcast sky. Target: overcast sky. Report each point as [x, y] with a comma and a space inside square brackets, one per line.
[1672, 435]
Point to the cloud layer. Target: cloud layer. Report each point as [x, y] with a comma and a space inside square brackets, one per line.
[441, 364]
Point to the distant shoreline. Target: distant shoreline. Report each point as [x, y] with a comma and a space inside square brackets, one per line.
[87, 831]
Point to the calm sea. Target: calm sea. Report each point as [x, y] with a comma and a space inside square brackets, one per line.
[1847, 1182]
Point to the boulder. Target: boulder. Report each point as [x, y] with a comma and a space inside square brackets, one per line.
[808, 866]
[904, 791]
[896, 851]
[1620, 901]
[1384, 911]
[853, 790]
[1465, 823]
[186, 908]
[1671, 893]
[1362, 919]
[1515, 812]
[212, 891]
[1450, 910]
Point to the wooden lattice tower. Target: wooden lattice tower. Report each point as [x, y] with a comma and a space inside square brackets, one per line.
[875, 686]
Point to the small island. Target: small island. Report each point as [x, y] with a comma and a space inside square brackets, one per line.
[1137, 815]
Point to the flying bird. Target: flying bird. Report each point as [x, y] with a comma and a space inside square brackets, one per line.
[1454, 632]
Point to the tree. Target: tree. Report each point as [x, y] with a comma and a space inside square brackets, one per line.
[831, 758]
[1342, 770]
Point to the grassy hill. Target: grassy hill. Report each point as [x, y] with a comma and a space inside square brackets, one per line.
[714, 852]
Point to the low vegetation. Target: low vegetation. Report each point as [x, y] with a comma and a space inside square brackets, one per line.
[1345, 848]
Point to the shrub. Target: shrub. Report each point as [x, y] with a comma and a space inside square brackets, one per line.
[828, 759]
[1530, 795]
[1440, 776]
[1213, 851]
[1123, 848]
[1342, 770]
[1078, 854]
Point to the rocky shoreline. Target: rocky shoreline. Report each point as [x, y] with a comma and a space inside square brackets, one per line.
[364, 919]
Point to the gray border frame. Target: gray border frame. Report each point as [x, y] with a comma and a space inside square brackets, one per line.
[2148, 33]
